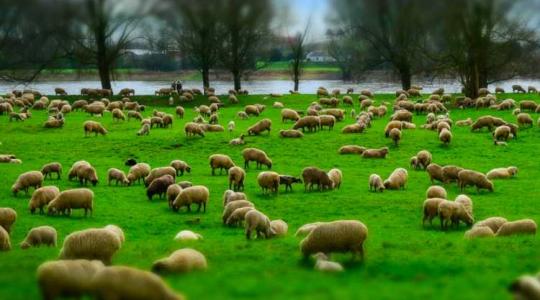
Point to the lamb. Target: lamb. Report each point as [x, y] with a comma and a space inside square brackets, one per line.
[236, 178]
[118, 176]
[237, 141]
[259, 127]
[478, 232]
[501, 133]
[324, 265]
[192, 129]
[158, 172]
[181, 261]
[50, 168]
[257, 155]
[524, 119]
[450, 173]
[72, 199]
[43, 235]
[376, 183]
[87, 173]
[336, 177]
[453, 212]
[238, 216]
[187, 235]
[25, 181]
[337, 236]
[397, 180]
[525, 226]
[172, 192]
[197, 194]
[268, 181]
[230, 196]
[395, 135]
[233, 206]
[431, 209]
[445, 136]
[494, 223]
[375, 153]
[279, 227]
[118, 115]
[435, 172]
[145, 130]
[159, 186]
[119, 282]
[469, 177]
[436, 191]
[292, 133]
[242, 115]
[231, 126]
[466, 122]
[67, 277]
[95, 127]
[289, 114]
[221, 162]
[258, 222]
[288, 181]
[42, 197]
[312, 176]
[180, 166]
[94, 243]
[8, 216]
[312, 123]
[138, 172]
[502, 173]
[351, 149]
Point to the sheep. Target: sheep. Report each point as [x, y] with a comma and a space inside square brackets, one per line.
[185, 184]
[236, 178]
[50, 168]
[119, 282]
[289, 114]
[159, 186]
[436, 191]
[118, 115]
[279, 227]
[354, 128]
[237, 141]
[337, 236]
[430, 209]
[259, 127]
[502, 173]
[518, 88]
[158, 172]
[351, 149]
[524, 119]
[466, 202]
[257, 155]
[157, 121]
[42, 235]
[8, 216]
[526, 287]
[391, 125]
[25, 181]
[192, 129]
[172, 192]
[348, 100]
[478, 232]
[67, 277]
[95, 108]
[53, 123]
[180, 112]
[72, 199]
[336, 176]
[501, 133]
[312, 176]
[306, 229]
[5, 243]
[95, 127]
[450, 173]
[288, 181]
[469, 177]
[94, 243]
[134, 115]
[232, 206]
[231, 126]
[466, 122]
[180, 166]
[118, 176]
[258, 222]
[197, 194]
[525, 226]
[494, 223]
[312, 123]
[397, 180]
[327, 120]
[181, 261]
[221, 162]
[268, 181]
[252, 110]
[445, 136]
[187, 235]
[435, 172]
[375, 153]
[487, 121]
[145, 130]
[324, 265]
[402, 115]
[87, 174]
[339, 114]
[528, 105]
[230, 196]
[242, 115]
[42, 197]
[395, 135]
[453, 212]
[238, 216]
[138, 172]
[118, 231]
[75, 168]
[291, 133]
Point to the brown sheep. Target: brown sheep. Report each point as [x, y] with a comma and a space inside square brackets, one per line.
[313, 175]
[469, 177]
[375, 153]
[269, 181]
[351, 149]
[435, 172]
[50, 168]
[159, 186]
[221, 162]
[395, 135]
[431, 209]
[391, 125]
[397, 180]
[27, 180]
[257, 155]
[453, 212]
[259, 127]
[445, 136]
[450, 173]
[95, 127]
[312, 123]
[236, 178]
[524, 119]
[180, 166]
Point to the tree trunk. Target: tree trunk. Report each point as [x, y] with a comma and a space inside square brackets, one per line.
[104, 76]
[405, 75]
[206, 77]
[237, 77]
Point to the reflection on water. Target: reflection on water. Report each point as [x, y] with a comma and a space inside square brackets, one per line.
[257, 87]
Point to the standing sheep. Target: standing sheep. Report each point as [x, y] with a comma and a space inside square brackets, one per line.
[431, 209]
[158, 172]
[259, 127]
[230, 196]
[376, 183]
[159, 186]
[397, 180]
[469, 177]
[257, 155]
[93, 243]
[43, 235]
[236, 178]
[233, 206]
[27, 180]
[8, 216]
[436, 191]
[41, 197]
[221, 162]
[268, 181]
[435, 172]
[256, 220]
[395, 135]
[238, 216]
[336, 177]
[424, 159]
[118, 176]
[445, 136]
[453, 212]
[93, 127]
[192, 129]
[197, 194]
[315, 176]
[50, 168]
[72, 199]
[181, 261]
[180, 166]
[138, 172]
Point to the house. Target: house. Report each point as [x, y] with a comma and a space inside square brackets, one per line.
[319, 56]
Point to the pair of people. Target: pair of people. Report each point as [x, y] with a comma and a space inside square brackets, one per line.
[177, 85]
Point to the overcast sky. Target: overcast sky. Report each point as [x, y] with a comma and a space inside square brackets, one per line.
[297, 13]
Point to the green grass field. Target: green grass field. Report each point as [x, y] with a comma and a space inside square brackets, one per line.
[403, 259]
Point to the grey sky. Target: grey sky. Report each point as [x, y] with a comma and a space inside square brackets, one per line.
[295, 14]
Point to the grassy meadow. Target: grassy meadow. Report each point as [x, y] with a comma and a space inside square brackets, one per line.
[403, 259]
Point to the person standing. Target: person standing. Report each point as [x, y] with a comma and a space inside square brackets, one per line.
[179, 86]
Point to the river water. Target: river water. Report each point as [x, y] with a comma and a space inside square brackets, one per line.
[257, 86]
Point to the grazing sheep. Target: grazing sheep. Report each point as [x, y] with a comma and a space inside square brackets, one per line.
[25, 181]
[192, 129]
[315, 176]
[158, 172]
[502, 133]
[42, 235]
[138, 172]
[237, 141]
[180, 166]
[279, 227]
[5, 243]
[252, 110]
[324, 265]
[236, 178]
[450, 173]
[397, 180]
[312, 123]
[242, 115]
[119, 282]
[230, 195]
[327, 120]
[159, 186]
[395, 135]
[306, 229]
[502, 173]
[118, 115]
[8, 216]
[516, 88]
[145, 130]
[289, 114]
[42, 197]
[352, 149]
[93, 127]
[436, 191]
[221, 162]
[187, 235]
[494, 223]
[75, 168]
[87, 174]
[257, 155]
[375, 153]
[268, 181]
[93, 243]
[53, 123]
[424, 159]
[181, 261]
[238, 216]
[435, 172]
[524, 119]
[469, 177]
[526, 287]
[479, 232]
[528, 105]
[118, 176]
[197, 194]
[288, 181]
[466, 122]
[431, 209]
[445, 136]
[354, 128]
[180, 112]
[291, 133]
[172, 192]
[50, 168]
[68, 200]
[337, 236]
[466, 202]
[376, 183]
[453, 212]
[525, 226]
[62, 278]
[258, 222]
[232, 207]
[259, 127]
[336, 176]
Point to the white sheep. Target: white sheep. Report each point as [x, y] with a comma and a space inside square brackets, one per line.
[181, 261]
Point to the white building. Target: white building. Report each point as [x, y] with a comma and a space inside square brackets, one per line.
[319, 56]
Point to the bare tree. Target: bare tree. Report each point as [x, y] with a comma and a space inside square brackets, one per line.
[297, 46]
[245, 26]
